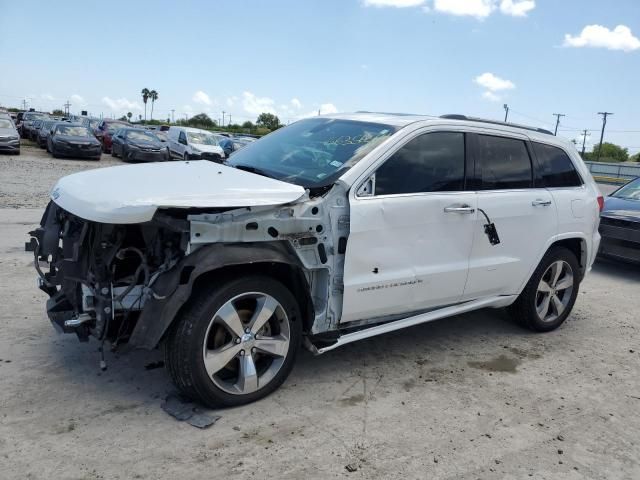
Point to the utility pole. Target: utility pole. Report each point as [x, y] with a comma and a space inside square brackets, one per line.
[604, 124]
[584, 141]
[173, 120]
[558, 115]
[24, 104]
[223, 112]
[66, 108]
[506, 112]
[229, 121]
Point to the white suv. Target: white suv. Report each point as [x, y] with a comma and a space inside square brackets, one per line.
[186, 143]
[331, 230]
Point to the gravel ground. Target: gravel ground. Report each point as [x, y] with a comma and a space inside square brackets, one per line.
[467, 397]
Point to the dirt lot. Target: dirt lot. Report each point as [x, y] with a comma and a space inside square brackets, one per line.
[468, 397]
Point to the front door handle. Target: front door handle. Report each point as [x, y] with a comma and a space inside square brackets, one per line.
[541, 203]
[468, 209]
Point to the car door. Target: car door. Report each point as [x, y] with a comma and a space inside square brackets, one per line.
[116, 142]
[411, 226]
[522, 210]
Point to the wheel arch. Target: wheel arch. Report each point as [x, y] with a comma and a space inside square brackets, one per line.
[218, 262]
[574, 242]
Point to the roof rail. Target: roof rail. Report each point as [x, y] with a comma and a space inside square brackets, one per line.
[455, 116]
[396, 113]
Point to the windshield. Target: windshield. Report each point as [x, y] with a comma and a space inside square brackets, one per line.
[75, 131]
[313, 152]
[5, 123]
[631, 191]
[202, 138]
[112, 127]
[141, 136]
[33, 116]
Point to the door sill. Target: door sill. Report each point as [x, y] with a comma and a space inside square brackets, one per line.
[495, 302]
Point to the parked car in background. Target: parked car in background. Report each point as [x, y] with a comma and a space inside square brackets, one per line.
[9, 136]
[104, 131]
[330, 230]
[186, 143]
[8, 116]
[226, 144]
[241, 142]
[138, 145]
[620, 223]
[73, 140]
[44, 131]
[27, 122]
[35, 127]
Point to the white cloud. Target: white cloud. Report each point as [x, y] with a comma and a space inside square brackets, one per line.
[597, 36]
[296, 103]
[327, 108]
[517, 8]
[121, 104]
[474, 8]
[494, 83]
[47, 96]
[256, 105]
[201, 98]
[393, 3]
[231, 101]
[77, 100]
[492, 97]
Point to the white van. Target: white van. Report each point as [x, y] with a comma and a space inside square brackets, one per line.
[186, 143]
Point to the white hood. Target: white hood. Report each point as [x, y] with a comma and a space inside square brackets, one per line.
[208, 148]
[133, 193]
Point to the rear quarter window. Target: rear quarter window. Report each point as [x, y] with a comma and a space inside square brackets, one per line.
[557, 169]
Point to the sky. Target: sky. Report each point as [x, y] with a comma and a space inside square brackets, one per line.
[295, 58]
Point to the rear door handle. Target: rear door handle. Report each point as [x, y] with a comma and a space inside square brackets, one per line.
[541, 203]
[468, 209]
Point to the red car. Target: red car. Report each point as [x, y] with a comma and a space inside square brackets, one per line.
[104, 131]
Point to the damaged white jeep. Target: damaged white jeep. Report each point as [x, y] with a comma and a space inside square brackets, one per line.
[333, 229]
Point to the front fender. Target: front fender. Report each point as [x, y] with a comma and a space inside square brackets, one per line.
[173, 288]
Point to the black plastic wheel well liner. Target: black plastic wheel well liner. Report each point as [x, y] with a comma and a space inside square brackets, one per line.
[579, 248]
[218, 261]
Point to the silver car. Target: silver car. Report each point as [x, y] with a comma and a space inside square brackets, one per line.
[9, 136]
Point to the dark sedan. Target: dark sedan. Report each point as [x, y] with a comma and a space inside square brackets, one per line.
[620, 223]
[44, 131]
[72, 140]
[137, 145]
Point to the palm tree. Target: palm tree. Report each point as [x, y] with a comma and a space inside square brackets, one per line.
[129, 115]
[145, 96]
[153, 95]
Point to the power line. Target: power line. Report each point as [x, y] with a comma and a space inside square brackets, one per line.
[604, 124]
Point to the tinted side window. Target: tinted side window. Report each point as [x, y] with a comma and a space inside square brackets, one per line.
[433, 162]
[504, 163]
[182, 138]
[557, 168]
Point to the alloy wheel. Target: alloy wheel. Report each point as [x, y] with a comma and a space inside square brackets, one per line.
[554, 291]
[246, 343]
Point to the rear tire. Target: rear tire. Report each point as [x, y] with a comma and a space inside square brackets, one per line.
[235, 342]
[549, 296]
[186, 157]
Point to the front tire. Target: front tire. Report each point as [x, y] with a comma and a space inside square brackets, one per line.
[235, 342]
[547, 300]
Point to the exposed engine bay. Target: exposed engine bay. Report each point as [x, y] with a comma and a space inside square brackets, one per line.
[125, 283]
